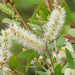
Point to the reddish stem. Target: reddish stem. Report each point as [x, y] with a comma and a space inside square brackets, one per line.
[20, 17]
[50, 56]
[47, 63]
[50, 6]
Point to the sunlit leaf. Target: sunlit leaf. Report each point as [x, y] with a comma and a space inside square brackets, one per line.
[13, 62]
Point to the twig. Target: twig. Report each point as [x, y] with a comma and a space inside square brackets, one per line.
[17, 72]
[48, 53]
[20, 17]
[56, 50]
[47, 63]
[50, 6]
[46, 70]
[42, 31]
[49, 56]
[14, 71]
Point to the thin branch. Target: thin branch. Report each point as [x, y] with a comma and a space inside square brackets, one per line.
[47, 63]
[17, 72]
[20, 17]
[56, 50]
[46, 70]
[50, 6]
[14, 71]
[48, 53]
[42, 31]
[49, 56]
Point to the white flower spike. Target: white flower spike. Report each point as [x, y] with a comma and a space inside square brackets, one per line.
[54, 24]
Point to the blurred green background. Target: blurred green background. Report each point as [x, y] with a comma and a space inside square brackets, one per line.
[26, 10]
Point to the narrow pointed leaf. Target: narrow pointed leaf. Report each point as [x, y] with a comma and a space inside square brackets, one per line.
[34, 14]
[29, 62]
[45, 10]
[69, 58]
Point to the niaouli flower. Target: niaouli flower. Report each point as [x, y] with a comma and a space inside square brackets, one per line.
[28, 39]
[5, 44]
[54, 25]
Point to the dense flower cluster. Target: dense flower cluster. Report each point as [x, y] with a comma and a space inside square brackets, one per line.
[28, 39]
[54, 24]
[4, 51]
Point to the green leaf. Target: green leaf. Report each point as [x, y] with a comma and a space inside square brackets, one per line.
[46, 54]
[73, 45]
[69, 58]
[36, 27]
[14, 0]
[10, 21]
[42, 73]
[25, 54]
[60, 41]
[51, 45]
[34, 1]
[38, 22]
[43, 16]
[45, 10]
[13, 62]
[34, 14]
[39, 64]
[72, 32]
[29, 62]
[62, 32]
[63, 4]
[37, 33]
[54, 60]
[57, 70]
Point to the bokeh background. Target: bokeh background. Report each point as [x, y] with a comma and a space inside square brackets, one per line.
[26, 10]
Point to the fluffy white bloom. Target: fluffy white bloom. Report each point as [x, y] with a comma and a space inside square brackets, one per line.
[5, 44]
[6, 71]
[54, 24]
[5, 54]
[69, 71]
[28, 39]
